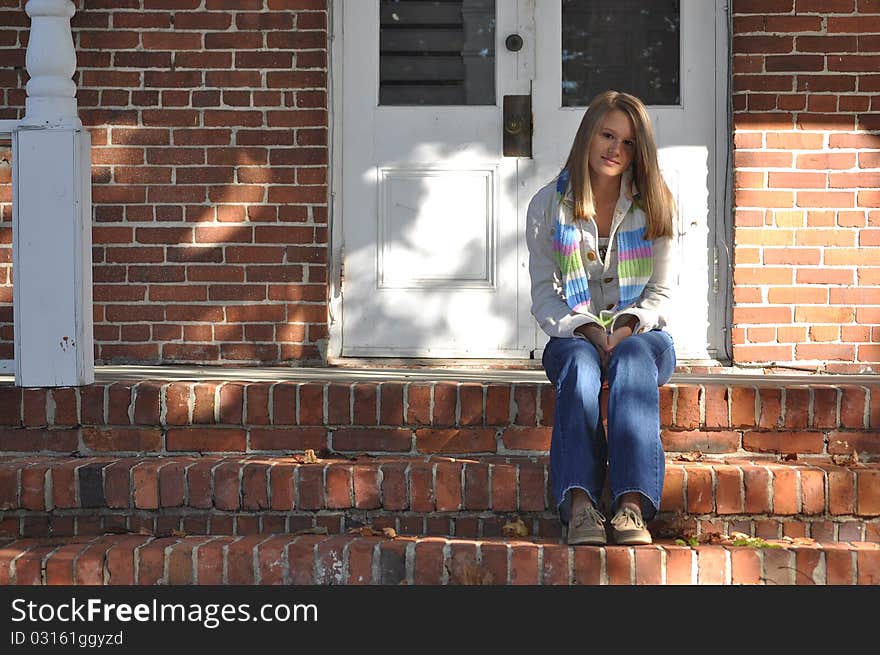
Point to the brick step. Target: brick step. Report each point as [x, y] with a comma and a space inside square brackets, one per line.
[355, 559]
[442, 417]
[419, 495]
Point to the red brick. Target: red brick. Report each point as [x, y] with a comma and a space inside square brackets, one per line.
[687, 407]
[756, 481]
[448, 486]
[471, 403]
[254, 483]
[525, 401]
[498, 404]
[281, 480]
[705, 442]
[808, 566]
[360, 562]
[785, 491]
[232, 403]
[464, 440]
[779, 565]
[146, 405]
[270, 558]
[35, 407]
[839, 565]
[699, 490]
[588, 567]
[209, 560]
[728, 489]
[868, 492]
[711, 565]
[503, 481]
[532, 488]
[365, 404]
[445, 403]
[742, 406]
[418, 401]
[618, 565]
[206, 439]
[421, 487]
[784, 442]
[868, 563]
[391, 401]
[145, 484]
[493, 564]
[227, 485]
[311, 487]
[523, 563]
[519, 438]
[673, 489]
[745, 566]
[769, 413]
[476, 486]
[366, 487]
[240, 560]
[372, 439]
[257, 395]
[338, 486]
[812, 491]
[394, 487]
[715, 398]
[797, 407]
[339, 403]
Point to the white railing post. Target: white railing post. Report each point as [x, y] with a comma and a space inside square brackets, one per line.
[52, 207]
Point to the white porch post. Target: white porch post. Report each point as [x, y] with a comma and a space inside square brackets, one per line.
[52, 237]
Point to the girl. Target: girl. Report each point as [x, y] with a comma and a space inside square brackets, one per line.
[601, 260]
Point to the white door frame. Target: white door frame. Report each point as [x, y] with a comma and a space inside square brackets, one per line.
[720, 229]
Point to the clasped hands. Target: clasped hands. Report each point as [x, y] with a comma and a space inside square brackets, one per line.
[604, 342]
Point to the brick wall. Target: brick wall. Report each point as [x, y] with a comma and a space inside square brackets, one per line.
[806, 76]
[210, 148]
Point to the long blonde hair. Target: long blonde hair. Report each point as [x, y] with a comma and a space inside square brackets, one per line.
[654, 196]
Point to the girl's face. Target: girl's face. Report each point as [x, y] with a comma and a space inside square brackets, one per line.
[613, 148]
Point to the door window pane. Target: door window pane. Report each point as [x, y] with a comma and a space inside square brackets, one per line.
[624, 45]
[437, 53]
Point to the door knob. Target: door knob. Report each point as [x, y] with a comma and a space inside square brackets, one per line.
[514, 42]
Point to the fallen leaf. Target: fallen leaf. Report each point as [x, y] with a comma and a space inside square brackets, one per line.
[515, 529]
[316, 530]
[178, 533]
[788, 457]
[847, 459]
[309, 456]
[367, 531]
[689, 457]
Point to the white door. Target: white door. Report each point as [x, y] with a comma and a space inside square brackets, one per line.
[428, 200]
[664, 51]
[433, 215]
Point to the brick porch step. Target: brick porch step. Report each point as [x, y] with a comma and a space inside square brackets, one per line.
[419, 495]
[354, 559]
[419, 417]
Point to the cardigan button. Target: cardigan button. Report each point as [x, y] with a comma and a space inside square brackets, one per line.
[591, 255]
[608, 280]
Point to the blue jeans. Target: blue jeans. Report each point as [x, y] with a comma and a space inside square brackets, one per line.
[632, 454]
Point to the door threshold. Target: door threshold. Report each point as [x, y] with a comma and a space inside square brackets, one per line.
[519, 364]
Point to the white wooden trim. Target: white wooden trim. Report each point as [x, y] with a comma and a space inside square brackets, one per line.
[7, 366]
[336, 92]
[721, 230]
[7, 127]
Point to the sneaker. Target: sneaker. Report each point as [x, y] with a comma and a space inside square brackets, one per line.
[629, 529]
[587, 527]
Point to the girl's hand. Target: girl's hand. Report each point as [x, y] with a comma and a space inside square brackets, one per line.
[599, 338]
[624, 329]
